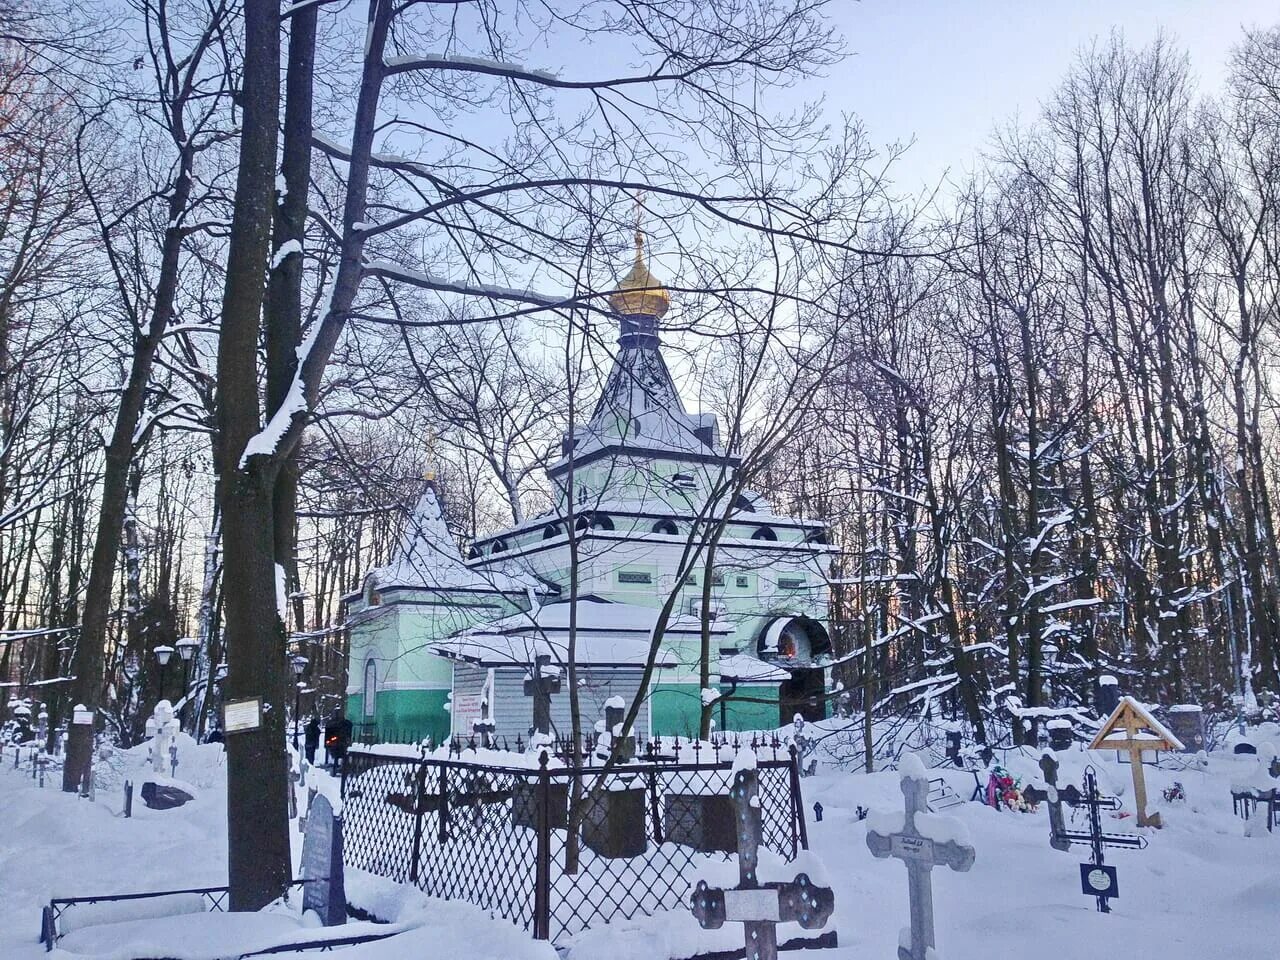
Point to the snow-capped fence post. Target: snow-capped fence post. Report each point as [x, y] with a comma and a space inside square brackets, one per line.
[542, 864]
[128, 799]
[922, 841]
[443, 809]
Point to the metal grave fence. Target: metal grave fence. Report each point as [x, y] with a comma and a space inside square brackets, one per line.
[498, 835]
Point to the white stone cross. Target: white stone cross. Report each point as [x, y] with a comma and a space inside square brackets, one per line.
[922, 840]
[166, 731]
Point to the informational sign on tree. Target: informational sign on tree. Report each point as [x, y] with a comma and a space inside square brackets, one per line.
[241, 716]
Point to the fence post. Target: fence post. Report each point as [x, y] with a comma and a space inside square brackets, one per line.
[128, 799]
[420, 782]
[799, 831]
[653, 804]
[542, 865]
[444, 804]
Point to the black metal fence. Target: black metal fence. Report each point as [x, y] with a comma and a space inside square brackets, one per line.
[499, 836]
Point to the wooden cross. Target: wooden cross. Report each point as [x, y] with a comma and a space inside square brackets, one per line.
[926, 840]
[1131, 727]
[541, 687]
[759, 907]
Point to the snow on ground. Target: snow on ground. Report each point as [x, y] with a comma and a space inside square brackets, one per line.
[1202, 889]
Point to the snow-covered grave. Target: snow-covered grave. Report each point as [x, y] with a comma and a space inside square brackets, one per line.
[1202, 888]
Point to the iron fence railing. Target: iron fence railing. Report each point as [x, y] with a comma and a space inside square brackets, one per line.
[499, 835]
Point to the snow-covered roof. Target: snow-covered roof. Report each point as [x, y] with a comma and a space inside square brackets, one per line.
[607, 632]
[748, 669]
[429, 557]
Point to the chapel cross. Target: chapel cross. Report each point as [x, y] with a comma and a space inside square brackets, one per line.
[541, 685]
[924, 841]
[759, 907]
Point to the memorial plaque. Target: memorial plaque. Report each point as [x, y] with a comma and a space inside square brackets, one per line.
[241, 716]
[81, 715]
[761, 904]
[324, 890]
[911, 848]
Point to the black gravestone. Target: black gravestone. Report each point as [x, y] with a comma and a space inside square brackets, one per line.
[704, 822]
[323, 888]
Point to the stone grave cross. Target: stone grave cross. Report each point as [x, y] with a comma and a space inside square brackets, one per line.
[543, 682]
[759, 907]
[924, 841]
[1054, 797]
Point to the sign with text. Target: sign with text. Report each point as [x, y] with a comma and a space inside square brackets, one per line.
[241, 716]
[758, 904]
[81, 715]
[911, 848]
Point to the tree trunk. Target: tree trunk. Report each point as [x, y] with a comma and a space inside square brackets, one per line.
[258, 860]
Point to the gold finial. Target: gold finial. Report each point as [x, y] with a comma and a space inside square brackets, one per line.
[640, 294]
[429, 475]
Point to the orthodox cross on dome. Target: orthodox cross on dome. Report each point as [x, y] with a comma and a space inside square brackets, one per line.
[921, 840]
[759, 907]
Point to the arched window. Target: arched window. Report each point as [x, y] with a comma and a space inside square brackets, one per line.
[473, 552]
[764, 533]
[369, 692]
[742, 503]
[499, 546]
[667, 527]
[551, 530]
[818, 536]
[593, 521]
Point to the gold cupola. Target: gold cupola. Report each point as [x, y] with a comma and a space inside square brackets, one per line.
[639, 294]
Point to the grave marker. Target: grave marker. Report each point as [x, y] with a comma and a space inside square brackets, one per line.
[759, 907]
[540, 685]
[1054, 797]
[941, 841]
[323, 888]
[1096, 878]
[1131, 727]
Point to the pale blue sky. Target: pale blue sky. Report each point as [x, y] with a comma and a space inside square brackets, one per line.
[947, 71]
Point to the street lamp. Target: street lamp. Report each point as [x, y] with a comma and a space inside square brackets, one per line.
[187, 648]
[299, 664]
[163, 653]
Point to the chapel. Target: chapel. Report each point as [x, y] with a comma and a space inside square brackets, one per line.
[440, 643]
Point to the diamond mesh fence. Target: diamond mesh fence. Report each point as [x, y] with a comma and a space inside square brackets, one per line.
[556, 850]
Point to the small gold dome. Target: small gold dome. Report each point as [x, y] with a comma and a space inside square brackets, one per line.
[640, 294]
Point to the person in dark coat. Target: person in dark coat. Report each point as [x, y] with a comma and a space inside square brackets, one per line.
[311, 738]
[337, 737]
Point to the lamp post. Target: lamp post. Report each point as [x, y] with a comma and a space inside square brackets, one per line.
[299, 664]
[187, 648]
[163, 653]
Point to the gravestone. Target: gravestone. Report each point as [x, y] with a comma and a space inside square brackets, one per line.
[1054, 797]
[165, 729]
[806, 748]
[758, 907]
[924, 840]
[609, 740]
[324, 890]
[1108, 695]
[701, 821]
[1061, 734]
[542, 682]
[1186, 722]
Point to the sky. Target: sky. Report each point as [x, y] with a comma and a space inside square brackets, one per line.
[947, 72]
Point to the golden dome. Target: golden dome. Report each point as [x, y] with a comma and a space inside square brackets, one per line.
[640, 294]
